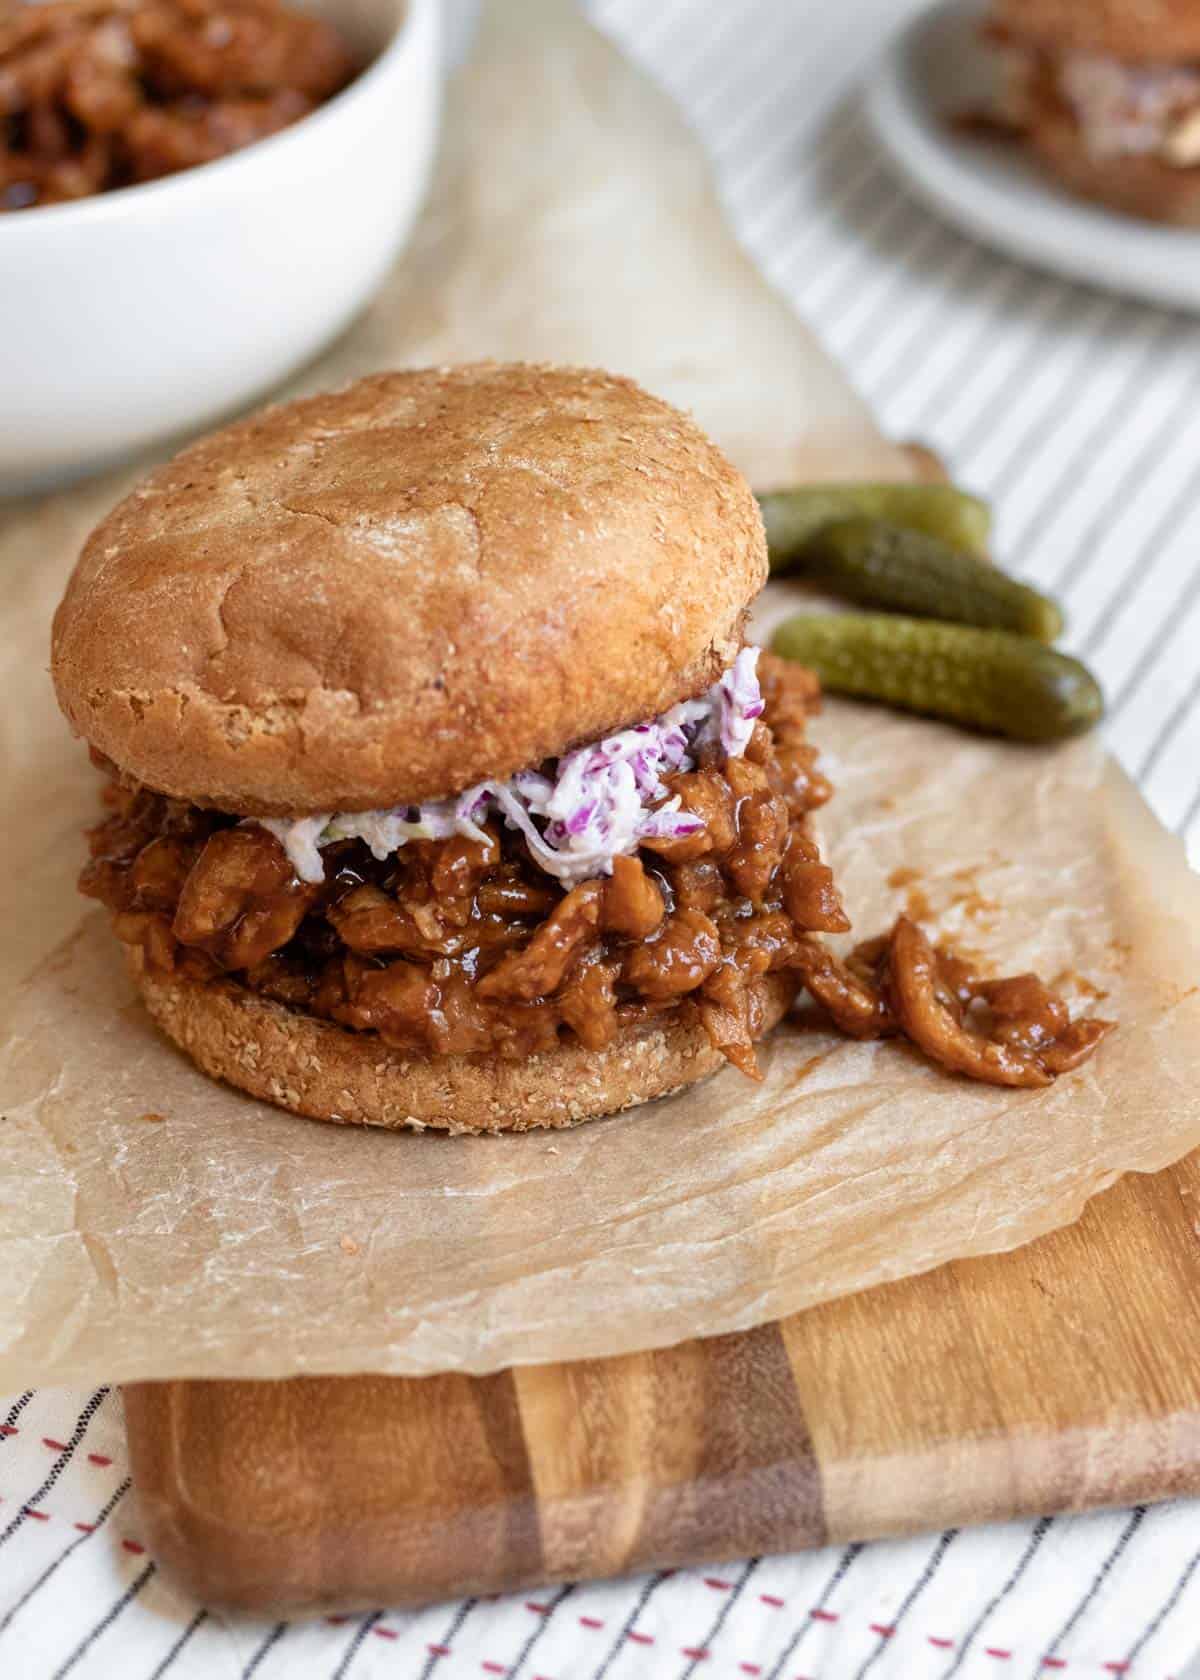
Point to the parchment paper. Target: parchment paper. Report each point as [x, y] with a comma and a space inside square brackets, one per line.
[573, 220]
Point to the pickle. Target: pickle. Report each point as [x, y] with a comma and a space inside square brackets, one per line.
[793, 517]
[991, 680]
[909, 571]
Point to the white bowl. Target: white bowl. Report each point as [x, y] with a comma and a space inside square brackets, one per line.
[152, 310]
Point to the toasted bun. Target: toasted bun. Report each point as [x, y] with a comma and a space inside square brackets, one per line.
[1138, 31]
[327, 1072]
[390, 592]
[1136, 186]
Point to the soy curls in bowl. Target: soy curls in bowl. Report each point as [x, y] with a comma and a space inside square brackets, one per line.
[960, 640]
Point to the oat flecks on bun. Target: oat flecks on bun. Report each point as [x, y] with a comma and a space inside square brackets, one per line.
[323, 1071]
[1139, 31]
[387, 593]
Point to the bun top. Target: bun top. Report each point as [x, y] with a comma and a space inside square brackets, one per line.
[387, 593]
[1137, 31]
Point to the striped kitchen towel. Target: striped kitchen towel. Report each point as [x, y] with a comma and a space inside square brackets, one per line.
[1112, 1594]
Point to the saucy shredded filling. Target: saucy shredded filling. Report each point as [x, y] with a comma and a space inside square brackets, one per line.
[463, 945]
[98, 94]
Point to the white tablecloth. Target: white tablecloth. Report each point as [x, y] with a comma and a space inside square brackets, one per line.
[1076, 412]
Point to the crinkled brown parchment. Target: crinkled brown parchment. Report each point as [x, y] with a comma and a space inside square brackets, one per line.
[155, 1225]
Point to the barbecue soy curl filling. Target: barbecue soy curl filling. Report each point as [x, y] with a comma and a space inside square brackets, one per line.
[482, 939]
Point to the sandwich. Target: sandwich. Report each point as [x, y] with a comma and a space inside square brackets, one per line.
[443, 787]
[1107, 94]
[440, 787]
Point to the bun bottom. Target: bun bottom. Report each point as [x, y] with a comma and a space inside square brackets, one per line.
[1136, 186]
[327, 1072]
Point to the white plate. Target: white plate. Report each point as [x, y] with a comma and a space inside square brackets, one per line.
[991, 189]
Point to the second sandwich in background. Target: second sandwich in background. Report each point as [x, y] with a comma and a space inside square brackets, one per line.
[1107, 93]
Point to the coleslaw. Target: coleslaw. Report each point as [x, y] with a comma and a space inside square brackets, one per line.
[578, 812]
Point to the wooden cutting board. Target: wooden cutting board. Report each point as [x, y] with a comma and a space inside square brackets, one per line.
[1060, 1377]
